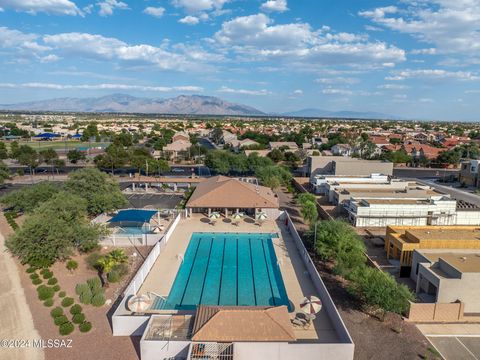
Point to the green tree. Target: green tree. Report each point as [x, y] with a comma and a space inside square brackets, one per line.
[451, 157]
[101, 191]
[74, 156]
[4, 172]
[397, 157]
[14, 146]
[30, 197]
[309, 212]
[276, 155]
[3, 151]
[91, 131]
[53, 231]
[273, 176]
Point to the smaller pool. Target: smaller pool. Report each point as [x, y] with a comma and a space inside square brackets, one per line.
[133, 230]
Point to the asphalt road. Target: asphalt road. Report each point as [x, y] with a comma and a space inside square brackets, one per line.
[458, 194]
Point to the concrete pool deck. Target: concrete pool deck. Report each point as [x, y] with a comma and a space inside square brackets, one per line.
[295, 276]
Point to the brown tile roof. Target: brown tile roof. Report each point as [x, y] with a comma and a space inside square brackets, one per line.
[228, 324]
[225, 192]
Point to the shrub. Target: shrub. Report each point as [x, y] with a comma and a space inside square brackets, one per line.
[121, 269]
[44, 270]
[98, 300]
[92, 260]
[75, 309]
[58, 311]
[71, 265]
[34, 276]
[56, 288]
[47, 275]
[85, 327]
[113, 277]
[62, 294]
[36, 281]
[31, 269]
[48, 302]
[78, 318]
[59, 320]
[86, 297]
[66, 329]
[52, 281]
[45, 292]
[66, 302]
[380, 289]
[94, 283]
[81, 288]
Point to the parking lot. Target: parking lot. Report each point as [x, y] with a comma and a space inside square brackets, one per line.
[457, 347]
[156, 201]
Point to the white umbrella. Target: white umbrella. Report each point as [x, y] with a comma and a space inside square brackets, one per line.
[237, 216]
[262, 216]
[311, 305]
[215, 215]
[139, 303]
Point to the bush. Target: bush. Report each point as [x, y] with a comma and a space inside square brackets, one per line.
[92, 260]
[85, 327]
[113, 277]
[36, 281]
[34, 276]
[52, 281]
[45, 292]
[380, 289]
[66, 329]
[56, 288]
[78, 318]
[44, 270]
[47, 275]
[31, 269]
[75, 309]
[81, 288]
[94, 283]
[66, 302]
[48, 302]
[98, 300]
[58, 311]
[62, 294]
[59, 320]
[71, 265]
[121, 269]
[86, 297]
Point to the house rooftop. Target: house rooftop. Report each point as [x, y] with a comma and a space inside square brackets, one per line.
[463, 262]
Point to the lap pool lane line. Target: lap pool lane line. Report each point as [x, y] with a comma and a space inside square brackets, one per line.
[229, 283]
[211, 286]
[263, 289]
[246, 293]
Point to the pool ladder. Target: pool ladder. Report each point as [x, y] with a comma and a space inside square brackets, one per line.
[180, 257]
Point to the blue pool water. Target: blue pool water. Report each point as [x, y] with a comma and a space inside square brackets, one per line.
[134, 230]
[228, 269]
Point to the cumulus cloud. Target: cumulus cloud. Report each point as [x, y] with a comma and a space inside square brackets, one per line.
[53, 7]
[393, 87]
[433, 74]
[154, 11]
[189, 20]
[298, 92]
[53, 86]
[332, 91]
[196, 6]
[337, 80]
[225, 89]
[274, 5]
[107, 7]
[452, 26]
[259, 38]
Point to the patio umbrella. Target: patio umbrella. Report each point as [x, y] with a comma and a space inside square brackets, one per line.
[311, 305]
[236, 218]
[262, 216]
[215, 215]
[139, 303]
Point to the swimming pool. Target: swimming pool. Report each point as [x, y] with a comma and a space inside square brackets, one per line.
[228, 269]
[133, 230]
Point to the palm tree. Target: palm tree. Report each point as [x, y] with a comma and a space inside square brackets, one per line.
[105, 263]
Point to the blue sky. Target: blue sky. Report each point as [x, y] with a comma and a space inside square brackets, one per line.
[409, 58]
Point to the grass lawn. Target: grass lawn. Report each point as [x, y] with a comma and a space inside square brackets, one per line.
[61, 145]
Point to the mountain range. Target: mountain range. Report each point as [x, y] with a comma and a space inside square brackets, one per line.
[183, 104]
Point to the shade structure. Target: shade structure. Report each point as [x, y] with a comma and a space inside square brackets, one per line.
[46, 136]
[311, 305]
[262, 216]
[139, 303]
[237, 216]
[133, 216]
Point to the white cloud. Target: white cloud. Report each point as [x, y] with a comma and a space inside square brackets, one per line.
[195, 6]
[452, 26]
[332, 91]
[23, 44]
[49, 58]
[393, 87]
[112, 49]
[225, 89]
[274, 5]
[53, 7]
[429, 51]
[255, 37]
[337, 80]
[107, 7]
[154, 11]
[298, 92]
[426, 100]
[52, 86]
[433, 74]
[189, 20]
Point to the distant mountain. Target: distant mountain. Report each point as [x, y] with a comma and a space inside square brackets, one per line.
[183, 104]
[311, 112]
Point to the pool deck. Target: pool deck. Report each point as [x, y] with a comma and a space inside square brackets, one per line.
[294, 273]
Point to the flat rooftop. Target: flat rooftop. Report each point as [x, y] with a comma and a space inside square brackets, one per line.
[395, 202]
[464, 262]
[295, 276]
[418, 235]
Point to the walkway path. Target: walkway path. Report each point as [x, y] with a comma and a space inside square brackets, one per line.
[15, 316]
